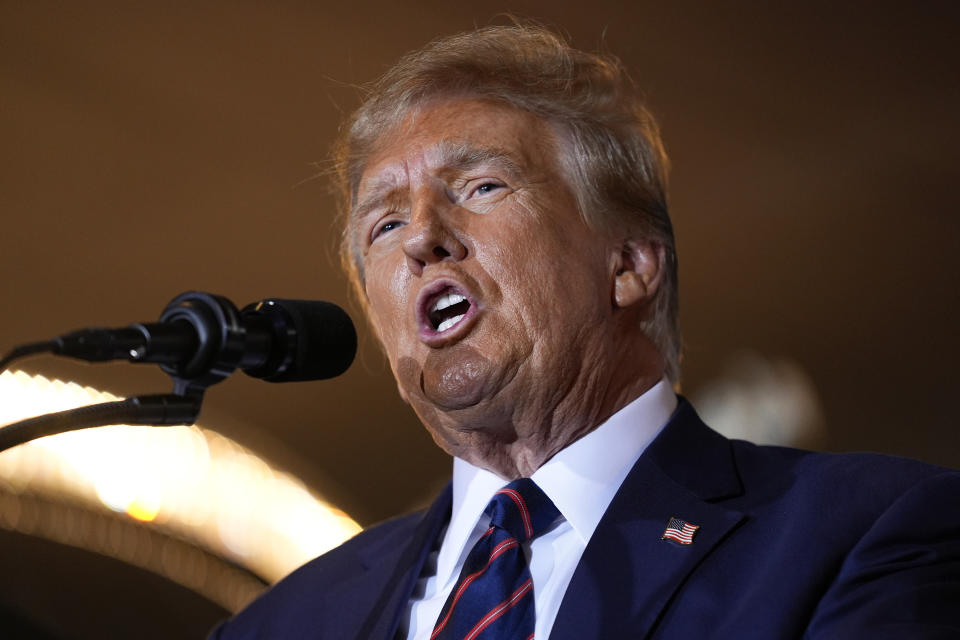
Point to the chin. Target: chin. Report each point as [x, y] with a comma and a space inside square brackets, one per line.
[454, 397]
[459, 379]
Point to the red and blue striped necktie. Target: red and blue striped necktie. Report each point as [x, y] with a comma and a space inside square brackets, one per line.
[493, 598]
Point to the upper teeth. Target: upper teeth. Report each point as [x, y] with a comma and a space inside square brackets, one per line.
[447, 301]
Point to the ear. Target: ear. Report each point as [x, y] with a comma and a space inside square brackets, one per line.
[639, 269]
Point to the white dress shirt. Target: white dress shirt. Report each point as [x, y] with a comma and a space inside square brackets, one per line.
[581, 480]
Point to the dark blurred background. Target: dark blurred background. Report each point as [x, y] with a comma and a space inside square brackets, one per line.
[152, 148]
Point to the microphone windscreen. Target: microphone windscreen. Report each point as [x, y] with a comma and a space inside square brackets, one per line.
[319, 339]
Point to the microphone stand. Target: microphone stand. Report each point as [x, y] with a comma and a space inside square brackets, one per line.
[221, 338]
[153, 410]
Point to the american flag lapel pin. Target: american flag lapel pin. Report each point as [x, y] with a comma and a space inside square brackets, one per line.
[680, 531]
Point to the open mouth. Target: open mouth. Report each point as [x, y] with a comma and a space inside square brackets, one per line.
[448, 310]
[444, 310]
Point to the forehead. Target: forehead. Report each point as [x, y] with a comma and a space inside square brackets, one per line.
[454, 133]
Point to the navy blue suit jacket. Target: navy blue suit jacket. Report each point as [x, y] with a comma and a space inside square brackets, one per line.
[792, 544]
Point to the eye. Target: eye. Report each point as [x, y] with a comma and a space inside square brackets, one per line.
[485, 189]
[384, 227]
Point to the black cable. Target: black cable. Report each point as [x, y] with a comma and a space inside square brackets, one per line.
[26, 350]
[158, 410]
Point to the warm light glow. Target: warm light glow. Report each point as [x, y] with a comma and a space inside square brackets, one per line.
[764, 400]
[190, 481]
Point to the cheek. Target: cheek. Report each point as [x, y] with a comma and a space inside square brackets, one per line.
[529, 260]
[553, 282]
[387, 289]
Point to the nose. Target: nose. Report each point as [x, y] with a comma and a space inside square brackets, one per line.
[431, 235]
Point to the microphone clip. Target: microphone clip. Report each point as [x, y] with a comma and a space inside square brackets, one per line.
[213, 324]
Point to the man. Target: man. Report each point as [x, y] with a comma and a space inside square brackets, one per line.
[507, 230]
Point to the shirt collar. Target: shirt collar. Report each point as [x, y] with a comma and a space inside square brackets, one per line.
[581, 479]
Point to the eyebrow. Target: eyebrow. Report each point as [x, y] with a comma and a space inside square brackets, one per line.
[463, 156]
[384, 188]
[453, 156]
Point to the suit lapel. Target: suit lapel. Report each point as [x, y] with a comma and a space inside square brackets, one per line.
[396, 585]
[628, 574]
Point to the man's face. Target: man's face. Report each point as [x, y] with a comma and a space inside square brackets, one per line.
[483, 281]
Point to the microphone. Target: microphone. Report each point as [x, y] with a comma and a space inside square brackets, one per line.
[310, 339]
[201, 339]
